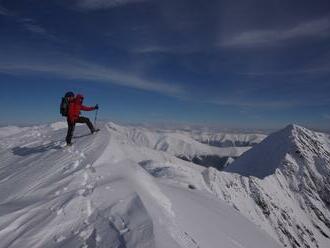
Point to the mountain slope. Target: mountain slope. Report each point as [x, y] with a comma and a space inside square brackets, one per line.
[285, 184]
[109, 190]
[228, 139]
[175, 143]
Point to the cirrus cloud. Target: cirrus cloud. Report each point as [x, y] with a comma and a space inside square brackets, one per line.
[319, 27]
[103, 4]
[72, 68]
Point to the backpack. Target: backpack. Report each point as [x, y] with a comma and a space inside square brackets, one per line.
[64, 107]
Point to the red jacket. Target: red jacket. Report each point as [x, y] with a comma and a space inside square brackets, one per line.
[75, 106]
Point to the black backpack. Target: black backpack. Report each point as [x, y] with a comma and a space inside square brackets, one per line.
[64, 107]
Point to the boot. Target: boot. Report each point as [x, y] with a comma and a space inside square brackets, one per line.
[95, 130]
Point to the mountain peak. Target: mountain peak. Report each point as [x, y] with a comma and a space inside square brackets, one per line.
[263, 159]
[293, 126]
[288, 178]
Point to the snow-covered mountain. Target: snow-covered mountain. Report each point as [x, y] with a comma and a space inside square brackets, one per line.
[228, 139]
[283, 185]
[122, 187]
[175, 143]
[129, 187]
[182, 145]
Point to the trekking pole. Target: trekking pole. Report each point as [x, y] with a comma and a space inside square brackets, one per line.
[95, 117]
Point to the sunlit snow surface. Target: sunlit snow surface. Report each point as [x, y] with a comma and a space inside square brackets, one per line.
[123, 187]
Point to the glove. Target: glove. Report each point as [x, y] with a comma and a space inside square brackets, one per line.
[96, 106]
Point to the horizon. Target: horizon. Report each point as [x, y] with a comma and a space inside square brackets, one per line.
[243, 65]
[172, 126]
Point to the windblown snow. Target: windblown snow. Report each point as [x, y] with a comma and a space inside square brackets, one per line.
[287, 176]
[129, 187]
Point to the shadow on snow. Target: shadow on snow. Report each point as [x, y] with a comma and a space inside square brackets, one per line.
[26, 151]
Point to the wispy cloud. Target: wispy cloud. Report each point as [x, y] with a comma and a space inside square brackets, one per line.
[84, 70]
[180, 49]
[28, 24]
[326, 116]
[266, 104]
[153, 49]
[254, 103]
[319, 27]
[102, 4]
[32, 26]
[317, 69]
[4, 11]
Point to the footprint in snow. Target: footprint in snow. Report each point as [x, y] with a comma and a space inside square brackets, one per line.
[81, 192]
[123, 231]
[108, 188]
[86, 177]
[89, 208]
[75, 164]
[91, 168]
[59, 238]
[58, 192]
[87, 191]
[183, 238]
[60, 211]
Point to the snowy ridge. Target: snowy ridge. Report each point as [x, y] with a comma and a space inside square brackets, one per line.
[282, 184]
[110, 190]
[228, 139]
[178, 144]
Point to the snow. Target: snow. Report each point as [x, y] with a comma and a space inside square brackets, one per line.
[287, 177]
[228, 139]
[123, 187]
[58, 125]
[174, 143]
[274, 148]
[10, 130]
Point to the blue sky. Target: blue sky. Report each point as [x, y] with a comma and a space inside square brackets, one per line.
[254, 64]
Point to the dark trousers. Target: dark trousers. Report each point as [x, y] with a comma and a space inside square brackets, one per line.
[71, 126]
